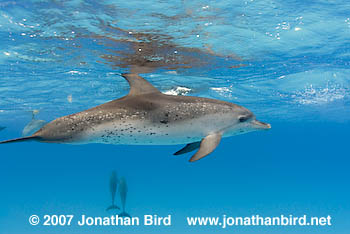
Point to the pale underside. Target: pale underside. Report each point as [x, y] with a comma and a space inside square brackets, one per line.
[143, 132]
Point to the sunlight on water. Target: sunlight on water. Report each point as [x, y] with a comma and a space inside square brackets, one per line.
[261, 54]
[320, 96]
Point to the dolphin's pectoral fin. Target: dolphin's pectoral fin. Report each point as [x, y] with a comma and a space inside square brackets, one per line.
[207, 145]
[188, 148]
[138, 85]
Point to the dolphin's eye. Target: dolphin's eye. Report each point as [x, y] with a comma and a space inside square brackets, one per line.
[243, 118]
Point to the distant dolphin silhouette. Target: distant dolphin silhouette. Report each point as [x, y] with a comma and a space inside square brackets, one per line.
[2, 128]
[34, 125]
[113, 182]
[123, 191]
[148, 117]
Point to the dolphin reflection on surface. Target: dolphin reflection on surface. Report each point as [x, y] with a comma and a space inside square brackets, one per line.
[145, 52]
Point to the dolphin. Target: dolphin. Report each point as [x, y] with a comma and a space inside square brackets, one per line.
[113, 182]
[34, 125]
[2, 128]
[148, 117]
[123, 190]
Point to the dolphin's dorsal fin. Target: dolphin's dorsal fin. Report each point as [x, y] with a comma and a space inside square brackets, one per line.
[34, 113]
[138, 85]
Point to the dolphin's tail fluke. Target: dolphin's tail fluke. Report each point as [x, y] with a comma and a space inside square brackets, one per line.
[124, 214]
[30, 138]
[112, 207]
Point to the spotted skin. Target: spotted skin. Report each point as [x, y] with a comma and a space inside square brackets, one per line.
[148, 117]
[156, 119]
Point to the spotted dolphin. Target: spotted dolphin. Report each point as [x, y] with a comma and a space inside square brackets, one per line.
[148, 117]
[123, 191]
[113, 183]
[33, 125]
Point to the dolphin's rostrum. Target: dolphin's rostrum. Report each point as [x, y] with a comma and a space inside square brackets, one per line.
[148, 117]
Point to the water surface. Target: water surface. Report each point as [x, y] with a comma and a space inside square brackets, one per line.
[287, 61]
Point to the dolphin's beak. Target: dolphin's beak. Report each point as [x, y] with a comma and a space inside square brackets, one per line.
[260, 125]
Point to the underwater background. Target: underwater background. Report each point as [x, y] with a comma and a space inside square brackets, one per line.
[286, 61]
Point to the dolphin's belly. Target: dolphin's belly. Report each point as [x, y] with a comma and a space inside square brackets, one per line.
[146, 132]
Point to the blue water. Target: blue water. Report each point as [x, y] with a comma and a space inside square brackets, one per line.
[287, 61]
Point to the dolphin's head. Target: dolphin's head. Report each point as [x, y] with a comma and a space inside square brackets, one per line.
[245, 121]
